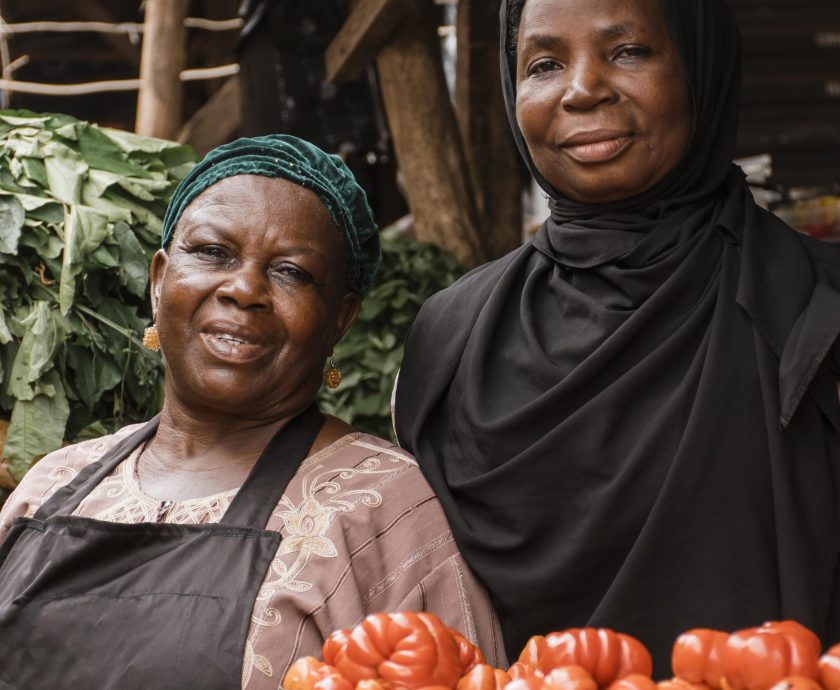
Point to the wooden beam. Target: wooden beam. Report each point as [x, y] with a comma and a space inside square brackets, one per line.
[426, 139]
[96, 10]
[367, 28]
[216, 122]
[162, 59]
[495, 167]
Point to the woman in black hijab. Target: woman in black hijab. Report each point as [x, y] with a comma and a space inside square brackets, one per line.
[633, 420]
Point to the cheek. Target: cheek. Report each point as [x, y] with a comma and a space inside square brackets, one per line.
[675, 124]
[532, 115]
[308, 329]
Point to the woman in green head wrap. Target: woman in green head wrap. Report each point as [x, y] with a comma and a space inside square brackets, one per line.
[212, 546]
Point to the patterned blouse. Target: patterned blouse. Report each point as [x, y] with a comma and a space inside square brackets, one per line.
[362, 533]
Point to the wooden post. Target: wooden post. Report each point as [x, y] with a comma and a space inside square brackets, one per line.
[216, 122]
[495, 168]
[161, 61]
[370, 24]
[426, 138]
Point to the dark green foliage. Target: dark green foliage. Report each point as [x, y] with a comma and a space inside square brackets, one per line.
[80, 217]
[371, 352]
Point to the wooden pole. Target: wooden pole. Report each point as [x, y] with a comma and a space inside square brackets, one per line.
[369, 25]
[161, 61]
[426, 138]
[216, 121]
[495, 168]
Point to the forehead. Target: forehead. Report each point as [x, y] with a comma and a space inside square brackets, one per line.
[574, 18]
[254, 205]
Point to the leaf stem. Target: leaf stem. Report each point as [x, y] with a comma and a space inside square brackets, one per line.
[128, 334]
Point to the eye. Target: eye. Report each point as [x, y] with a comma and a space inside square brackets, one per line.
[287, 271]
[212, 252]
[543, 66]
[631, 52]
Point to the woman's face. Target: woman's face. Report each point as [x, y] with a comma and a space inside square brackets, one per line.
[601, 98]
[251, 297]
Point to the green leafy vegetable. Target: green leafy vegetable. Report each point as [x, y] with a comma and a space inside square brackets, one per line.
[81, 209]
[370, 354]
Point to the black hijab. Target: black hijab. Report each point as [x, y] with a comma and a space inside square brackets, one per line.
[632, 421]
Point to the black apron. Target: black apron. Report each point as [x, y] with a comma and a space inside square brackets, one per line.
[92, 604]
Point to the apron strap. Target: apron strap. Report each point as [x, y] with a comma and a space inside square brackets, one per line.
[279, 462]
[254, 502]
[66, 499]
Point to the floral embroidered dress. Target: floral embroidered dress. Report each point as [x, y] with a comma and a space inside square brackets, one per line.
[362, 533]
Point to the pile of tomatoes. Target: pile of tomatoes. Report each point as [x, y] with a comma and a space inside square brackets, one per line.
[414, 651]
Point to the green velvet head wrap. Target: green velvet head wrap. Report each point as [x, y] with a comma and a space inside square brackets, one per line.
[285, 156]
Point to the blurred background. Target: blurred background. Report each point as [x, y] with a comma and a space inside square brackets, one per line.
[241, 67]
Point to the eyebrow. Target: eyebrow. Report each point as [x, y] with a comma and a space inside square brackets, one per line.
[227, 233]
[618, 30]
[542, 40]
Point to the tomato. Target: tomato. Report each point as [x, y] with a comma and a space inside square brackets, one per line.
[327, 680]
[520, 670]
[569, 678]
[680, 684]
[605, 654]
[301, 674]
[533, 651]
[697, 656]
[797, 683]
[406, 650]
[468, 653]
[370, 684]
[758, 658]
[483, 677]
[829, 668]
[790, 627]
[634, 681]
[530, 682]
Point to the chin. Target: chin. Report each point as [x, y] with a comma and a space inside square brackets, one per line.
[601, 193]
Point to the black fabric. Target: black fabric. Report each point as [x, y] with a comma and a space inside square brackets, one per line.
[92, 604]
[632, 421]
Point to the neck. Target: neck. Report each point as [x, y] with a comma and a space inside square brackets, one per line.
[204, 438]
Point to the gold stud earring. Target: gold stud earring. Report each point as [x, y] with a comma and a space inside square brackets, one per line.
[332, 376]
[151, 340]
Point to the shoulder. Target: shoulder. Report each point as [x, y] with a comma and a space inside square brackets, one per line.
[824, 255]
[53, 471]
[474, 286]
[361, 462]
[367, 497]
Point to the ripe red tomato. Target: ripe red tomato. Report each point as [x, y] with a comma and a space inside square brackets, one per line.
[758, 658]
[406, 650]
[697, 656]
[829, 668]
[605, 654]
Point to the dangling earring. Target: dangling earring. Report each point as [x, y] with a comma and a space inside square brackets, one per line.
[151, 340]
[332, 376]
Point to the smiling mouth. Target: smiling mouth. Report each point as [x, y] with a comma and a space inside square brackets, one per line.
[230, 338]
[232, 348]
[598, 151]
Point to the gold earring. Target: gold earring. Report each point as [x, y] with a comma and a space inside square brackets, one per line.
[151, 340]
[332, 376]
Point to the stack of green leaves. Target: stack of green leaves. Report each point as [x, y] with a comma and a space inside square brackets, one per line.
[81, 211]
[370, 354]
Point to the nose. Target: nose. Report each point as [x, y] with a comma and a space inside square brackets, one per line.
[587, 85]
[247, 287]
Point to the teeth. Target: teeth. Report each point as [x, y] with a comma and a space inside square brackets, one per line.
[229, 338]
